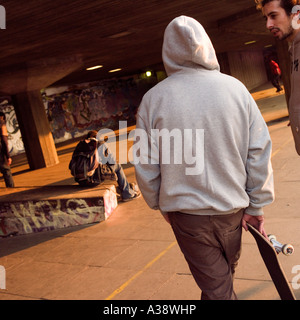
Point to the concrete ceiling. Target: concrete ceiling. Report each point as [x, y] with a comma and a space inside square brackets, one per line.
[50, 42]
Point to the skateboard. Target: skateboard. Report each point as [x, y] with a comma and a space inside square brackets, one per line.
[269, 253]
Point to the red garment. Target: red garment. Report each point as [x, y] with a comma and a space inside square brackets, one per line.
[275, 68]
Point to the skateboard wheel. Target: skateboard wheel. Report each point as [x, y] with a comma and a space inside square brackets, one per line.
[271, 237]
[287, 249]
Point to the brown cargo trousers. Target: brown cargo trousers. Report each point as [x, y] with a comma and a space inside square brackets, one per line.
[211, 246]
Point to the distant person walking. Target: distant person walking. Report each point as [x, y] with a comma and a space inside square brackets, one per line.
[5, 159]
[276, 74]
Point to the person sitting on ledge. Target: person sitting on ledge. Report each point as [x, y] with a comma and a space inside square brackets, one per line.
[88, 148]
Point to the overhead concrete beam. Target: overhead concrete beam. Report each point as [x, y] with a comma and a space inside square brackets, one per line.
[36, 75]
[242, 23]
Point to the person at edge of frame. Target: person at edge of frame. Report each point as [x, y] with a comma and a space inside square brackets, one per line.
[5, 159]
[282, 20]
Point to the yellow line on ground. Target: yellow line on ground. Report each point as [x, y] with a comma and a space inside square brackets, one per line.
[125, 284]
[279, 149]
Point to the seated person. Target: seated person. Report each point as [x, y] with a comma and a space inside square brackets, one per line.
[90, 146]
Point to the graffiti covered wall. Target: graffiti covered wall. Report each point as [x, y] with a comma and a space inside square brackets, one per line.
[75, 110]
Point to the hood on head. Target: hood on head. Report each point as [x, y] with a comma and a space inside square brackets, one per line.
[187, 45]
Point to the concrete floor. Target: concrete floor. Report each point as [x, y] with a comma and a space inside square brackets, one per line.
[133, 255]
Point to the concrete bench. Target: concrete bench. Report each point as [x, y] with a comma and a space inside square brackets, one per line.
[34, 209]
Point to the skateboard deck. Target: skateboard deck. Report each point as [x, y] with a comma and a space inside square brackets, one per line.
[269, 256]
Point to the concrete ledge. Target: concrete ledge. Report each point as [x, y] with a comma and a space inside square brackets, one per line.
[36, 209]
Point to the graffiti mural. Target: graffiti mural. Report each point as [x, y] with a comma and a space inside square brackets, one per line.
[73, 111]
[15, 143]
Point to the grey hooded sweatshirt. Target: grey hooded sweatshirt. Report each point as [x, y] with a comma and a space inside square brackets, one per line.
[201, 144]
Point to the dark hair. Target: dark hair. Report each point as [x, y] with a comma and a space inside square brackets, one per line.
[92, 134]
[287, 5]
[2, 114]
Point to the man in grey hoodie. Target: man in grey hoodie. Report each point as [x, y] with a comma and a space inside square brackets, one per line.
[202, 157]
[282, 18]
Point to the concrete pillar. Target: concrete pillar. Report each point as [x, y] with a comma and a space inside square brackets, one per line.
[35, 129]
[285, 66]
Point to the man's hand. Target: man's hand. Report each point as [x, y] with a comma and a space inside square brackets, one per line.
[256, 221]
